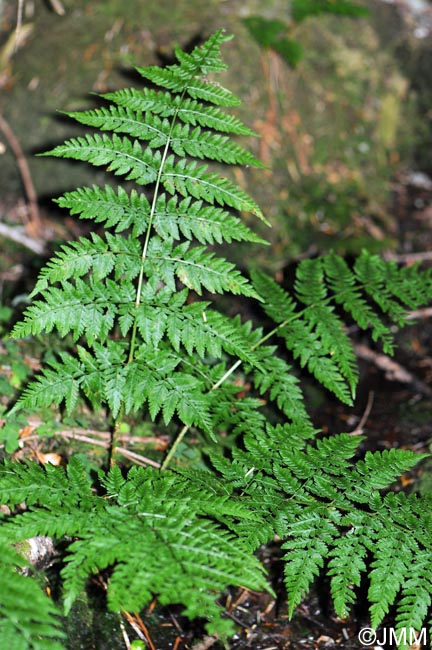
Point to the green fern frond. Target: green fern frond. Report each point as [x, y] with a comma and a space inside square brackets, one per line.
[121, 156]
[193, 219]
[308, 547]
[416, 591]
[75, 260]
[283, 387]
[389, 570]
[377, 277]
[54, 385]
[309, 285]
[147, 506]
[278, 304]
[316, 354]
[197, 143]
[189, 111]
[189, 179]
[143, 342]
[380, 469]
[348, 293]
[174, 79]
[198, 328]
[82, 308]
[202, 60]
[117, 209]
[28, 618]
[345, 567]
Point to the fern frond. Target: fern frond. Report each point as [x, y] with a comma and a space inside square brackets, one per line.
[145, 506]
[308, 547]
[277, 379]
[416, 591]
[346, 565]
[194, 219]
[188, 110]
[143, 342]
[208, 332]
[122, 156]
[158, 132]
[75, 260]
[311, 290]
[189, 179]
[306, 345]
[174, 79]
[388, 574]
[205, 58]
[195, 268]
[380, 469]
[49, 485]
[82, 308]
[314, 335]
[185, 77]
[120, 210]
[374, 273]
[348, 293]
[28, 618]
[309, 284]
[54, 385]
[278, 304]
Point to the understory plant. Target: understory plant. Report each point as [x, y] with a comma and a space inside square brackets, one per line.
[137, 301]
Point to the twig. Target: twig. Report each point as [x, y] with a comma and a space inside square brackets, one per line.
[136, 458]
[125, 635]
[409, 258]
[17, 234]
[82, 436]
[140, 628]
[19, 22]
[58, 7]
[134, 626]
[34, 225]
[420, 313]
[393, 370]
[359, 428]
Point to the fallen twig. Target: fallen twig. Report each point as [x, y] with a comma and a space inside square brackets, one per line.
[420, 313]
[360, 427]
[393, 370]
[34, 225]
[58, 7]
[137, 623]
[18, 234]
[138, 459]
[408, 258]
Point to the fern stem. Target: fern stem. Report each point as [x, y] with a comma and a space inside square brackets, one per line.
[216, 385]
[147, 240]
[174, 446]
[114, 437]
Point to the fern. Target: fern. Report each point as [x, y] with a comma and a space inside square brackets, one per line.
[28, 618]
[159, 510]
[316, 335]
[142, 341]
